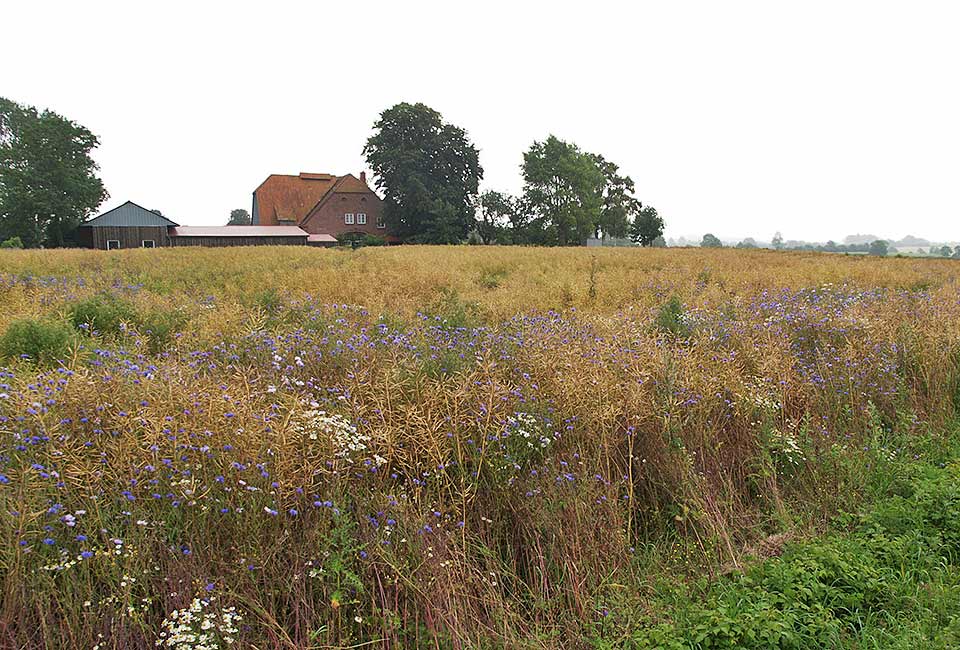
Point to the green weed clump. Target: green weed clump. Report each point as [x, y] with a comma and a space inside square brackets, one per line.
[451, 311]
[671, 319]
[160, 326]
[492, 278]
[40, 341]
[104, 313]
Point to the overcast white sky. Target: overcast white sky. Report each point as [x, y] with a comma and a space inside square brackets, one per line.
[819, 119]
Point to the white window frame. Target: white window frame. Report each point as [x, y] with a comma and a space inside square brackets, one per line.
[113, 248]
[348, 218]
[381, 222]
[361, 218]
[153, 243]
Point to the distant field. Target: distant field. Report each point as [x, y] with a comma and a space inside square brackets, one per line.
[471, 447]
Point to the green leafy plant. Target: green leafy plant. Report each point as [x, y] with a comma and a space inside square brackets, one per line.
[491, 278]
[41, 341]
[671, 319]
[891, 580]
[160, 326]
[452, 312]
[104, 313]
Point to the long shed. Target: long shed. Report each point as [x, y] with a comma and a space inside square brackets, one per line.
[238, 236]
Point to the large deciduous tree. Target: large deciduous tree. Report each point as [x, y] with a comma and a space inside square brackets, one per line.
[647, 226]
[239, 217]
[48, 181]
[499, 215]
[617, 203]
[711, 241]
[428, 171]
[563, 188]
[879, 247]
[571, 195]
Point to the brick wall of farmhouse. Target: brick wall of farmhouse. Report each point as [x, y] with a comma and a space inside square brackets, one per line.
[329, 217]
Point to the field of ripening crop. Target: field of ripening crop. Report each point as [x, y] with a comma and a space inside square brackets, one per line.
[477, 447]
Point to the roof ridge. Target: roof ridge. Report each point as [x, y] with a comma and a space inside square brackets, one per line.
[170, 222]
[323, 198]
[297, 175]
[240, 231]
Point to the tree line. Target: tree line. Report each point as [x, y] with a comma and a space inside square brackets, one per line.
[429, 173]
[877, 247]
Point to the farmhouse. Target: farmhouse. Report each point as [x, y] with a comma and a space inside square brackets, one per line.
[320, 204]
[133, 226]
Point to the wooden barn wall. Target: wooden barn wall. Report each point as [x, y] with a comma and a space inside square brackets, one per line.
[238, 241]
[85, 237]
[128, 236]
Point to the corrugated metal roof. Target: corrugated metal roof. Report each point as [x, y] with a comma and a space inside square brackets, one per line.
[129, 215]
[238, 231]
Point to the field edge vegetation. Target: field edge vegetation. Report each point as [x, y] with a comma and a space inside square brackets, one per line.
[475, 448]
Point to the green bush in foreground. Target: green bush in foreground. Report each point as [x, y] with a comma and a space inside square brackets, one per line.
[160, 327]
[41, 341]
[104, 313]
[671, 319]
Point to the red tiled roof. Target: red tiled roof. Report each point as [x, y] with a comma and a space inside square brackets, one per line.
[238, 231]
[351, 183]
[290, 198]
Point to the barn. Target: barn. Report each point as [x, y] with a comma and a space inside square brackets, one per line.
[126, 226]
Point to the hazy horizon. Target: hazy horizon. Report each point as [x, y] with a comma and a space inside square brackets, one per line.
[818, 121]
